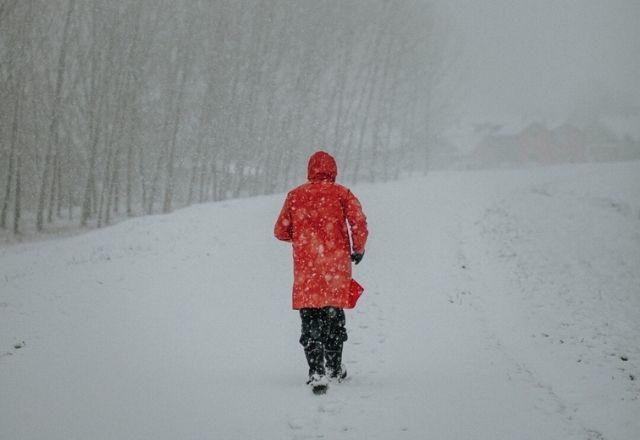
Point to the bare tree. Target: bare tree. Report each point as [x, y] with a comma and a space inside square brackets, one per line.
[130, 107]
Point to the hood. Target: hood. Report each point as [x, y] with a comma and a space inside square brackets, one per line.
[322, 166]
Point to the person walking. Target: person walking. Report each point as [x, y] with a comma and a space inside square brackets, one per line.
[314, 219]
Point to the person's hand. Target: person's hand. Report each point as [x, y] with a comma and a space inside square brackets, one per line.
[357, 257]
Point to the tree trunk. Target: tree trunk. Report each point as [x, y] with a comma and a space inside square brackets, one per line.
[12, 153]
[130, 170]
[17, 209]
[56, 112]
[54, 184]
[169, 183]
[88, 201]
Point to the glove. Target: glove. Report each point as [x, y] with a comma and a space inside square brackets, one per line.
[357, 257]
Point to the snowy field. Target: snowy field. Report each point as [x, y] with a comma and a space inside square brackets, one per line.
[498, 305]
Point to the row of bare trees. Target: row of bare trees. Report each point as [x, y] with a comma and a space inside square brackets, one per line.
[131, 107]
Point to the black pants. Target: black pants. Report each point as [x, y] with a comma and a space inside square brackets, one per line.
[323, 334]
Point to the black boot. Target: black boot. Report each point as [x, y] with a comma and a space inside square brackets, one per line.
[314, 352]
[335, 369]
[335, 338]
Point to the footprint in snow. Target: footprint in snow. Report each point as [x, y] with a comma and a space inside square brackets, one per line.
[294, 425]
[328, 409]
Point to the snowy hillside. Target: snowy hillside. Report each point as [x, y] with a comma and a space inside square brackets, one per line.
[498, 305]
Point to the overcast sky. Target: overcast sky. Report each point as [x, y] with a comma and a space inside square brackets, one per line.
[539, 59]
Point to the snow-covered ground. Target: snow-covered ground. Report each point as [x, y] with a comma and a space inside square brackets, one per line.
[498, 305]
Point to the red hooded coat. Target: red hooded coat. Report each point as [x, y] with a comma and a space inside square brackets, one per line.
[314, 218]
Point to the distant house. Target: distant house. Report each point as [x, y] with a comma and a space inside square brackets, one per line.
[537, 144]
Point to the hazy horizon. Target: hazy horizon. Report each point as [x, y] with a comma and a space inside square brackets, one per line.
[547, 60]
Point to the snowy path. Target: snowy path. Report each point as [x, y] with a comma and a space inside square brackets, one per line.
[498, 306]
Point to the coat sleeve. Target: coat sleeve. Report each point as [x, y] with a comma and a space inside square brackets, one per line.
[357, 222]
[283, 229]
